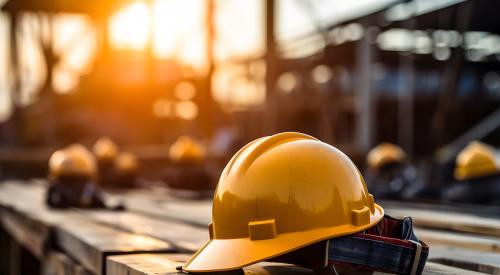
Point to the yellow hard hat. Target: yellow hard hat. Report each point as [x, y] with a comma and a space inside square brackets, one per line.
[278, 194]
[187, 149]
[105, 149]
[476, 160]
[384, 154]
[74, 160]
[127, 162]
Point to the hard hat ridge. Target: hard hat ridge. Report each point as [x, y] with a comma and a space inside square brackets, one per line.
[247, 155]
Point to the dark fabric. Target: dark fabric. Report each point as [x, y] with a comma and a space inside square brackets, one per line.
[481, 190]
[394, 181]
[86, 195]
[385, 247]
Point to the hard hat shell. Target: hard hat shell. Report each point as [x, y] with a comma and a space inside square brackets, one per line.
[127, 162]
[384, 154]
[476, 160]
[74, 160]
[187, 149]
[278, 194]
[105, 149]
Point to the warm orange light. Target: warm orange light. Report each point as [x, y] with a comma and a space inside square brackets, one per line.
[185, 91]
[129, 27]
[162, 108]
[173, 29]
[178, 30]
[186, 110]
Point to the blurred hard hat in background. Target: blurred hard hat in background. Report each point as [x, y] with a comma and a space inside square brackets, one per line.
[477, 159]
[105, 149]
[74, 160]
[280, 193]
[127, 162]
[187, 149]
[383, 154]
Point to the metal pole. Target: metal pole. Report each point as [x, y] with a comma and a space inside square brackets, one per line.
[207, 104]
[15, 123]
[270, 119]
[406, 96]
[366, 112]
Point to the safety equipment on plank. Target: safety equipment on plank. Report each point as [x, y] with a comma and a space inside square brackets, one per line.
[105, 149]
[127, 162]
[477, 159]
[74, 160]
[384, 154]
[187, 149]
[72, 172]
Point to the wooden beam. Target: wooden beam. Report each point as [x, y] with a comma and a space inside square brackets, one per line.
[194, 212]
[181, 236]
[163, 264]
[24, 209]
[30, 234]
[57, 263]
[458, 222]
[487, 262]
[90, 243]
[461, 240]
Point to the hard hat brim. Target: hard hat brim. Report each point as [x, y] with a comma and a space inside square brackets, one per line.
[230, 254]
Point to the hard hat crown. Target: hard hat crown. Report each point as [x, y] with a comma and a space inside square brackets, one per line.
[127, 162]
[187, 149]
[105, 149]
[283, 192]
[383, 154]
[476, 160]
[74, 160]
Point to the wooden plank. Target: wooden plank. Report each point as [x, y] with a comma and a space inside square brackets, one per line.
[183, 237]
[488, 262]
[57, 263]
[24, 216]
[463, 240]
[450, 221]
[142, 264]
[163, 264]
[195, 212]
[157, 202]
[440, 269]
[488, 211]
[82, 239]
[29, 233]
[90, 243]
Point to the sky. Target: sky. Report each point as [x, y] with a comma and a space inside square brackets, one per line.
[239, 28]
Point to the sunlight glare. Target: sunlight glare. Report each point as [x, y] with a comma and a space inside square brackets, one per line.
[178, 30]
[129, 27]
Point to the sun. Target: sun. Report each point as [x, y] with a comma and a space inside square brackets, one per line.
[130, 27]
[172, 29]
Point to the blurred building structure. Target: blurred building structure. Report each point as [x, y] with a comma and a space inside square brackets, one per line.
[418, 73]
[422, 74]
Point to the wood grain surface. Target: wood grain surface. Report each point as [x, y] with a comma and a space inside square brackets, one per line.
[159, 230]
[165, 264]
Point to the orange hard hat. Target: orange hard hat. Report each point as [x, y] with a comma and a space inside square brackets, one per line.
[476, 160]
[280, 193]
[105, 149]
[74, 160]
[186, 148]
[383, 154]
[127, 162]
